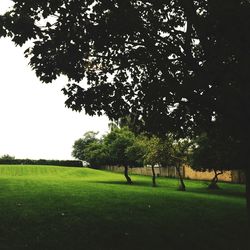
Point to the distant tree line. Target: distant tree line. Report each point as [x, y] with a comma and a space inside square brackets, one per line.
[10, 160]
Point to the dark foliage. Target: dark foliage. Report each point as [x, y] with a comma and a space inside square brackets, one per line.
[173, 65]
[214, 151]
[191, 55]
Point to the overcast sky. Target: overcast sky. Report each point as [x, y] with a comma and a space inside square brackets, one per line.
[34, 122]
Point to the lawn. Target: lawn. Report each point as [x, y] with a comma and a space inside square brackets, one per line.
[46, 207]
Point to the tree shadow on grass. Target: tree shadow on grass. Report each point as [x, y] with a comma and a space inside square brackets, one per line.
[221, 191]
[230, 192]
[124, 183]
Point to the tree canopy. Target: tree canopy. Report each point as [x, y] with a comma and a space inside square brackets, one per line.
[172, 64]
[81, 145]
[212, 152]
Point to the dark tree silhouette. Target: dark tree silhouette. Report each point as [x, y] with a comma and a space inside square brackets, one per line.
[210, 153]
[213, 184]
[176, 65]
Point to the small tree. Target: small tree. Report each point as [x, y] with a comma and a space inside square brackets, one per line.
[96, 154]
[180, 156]
[117, 141]
[151, 156]
[210, 153]
[158, 152]
[165, 152]
[81, 144]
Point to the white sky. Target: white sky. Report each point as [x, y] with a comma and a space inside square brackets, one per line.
[34, 122]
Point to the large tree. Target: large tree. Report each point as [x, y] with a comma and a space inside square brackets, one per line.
[175, 65]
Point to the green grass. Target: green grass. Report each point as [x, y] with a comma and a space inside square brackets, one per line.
[46, 207]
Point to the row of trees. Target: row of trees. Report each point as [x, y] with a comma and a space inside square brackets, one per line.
[121, 147]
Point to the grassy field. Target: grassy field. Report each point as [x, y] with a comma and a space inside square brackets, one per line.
[46, 207]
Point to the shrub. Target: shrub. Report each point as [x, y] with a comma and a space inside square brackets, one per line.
[65, 163]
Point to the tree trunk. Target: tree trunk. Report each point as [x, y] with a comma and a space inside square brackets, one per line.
[153, 175]
[182, 186]
[213, 184]
[129, 181]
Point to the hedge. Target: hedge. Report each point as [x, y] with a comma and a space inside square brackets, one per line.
[65, 163]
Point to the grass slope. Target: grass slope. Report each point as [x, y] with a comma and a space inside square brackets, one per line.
[46, 207]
